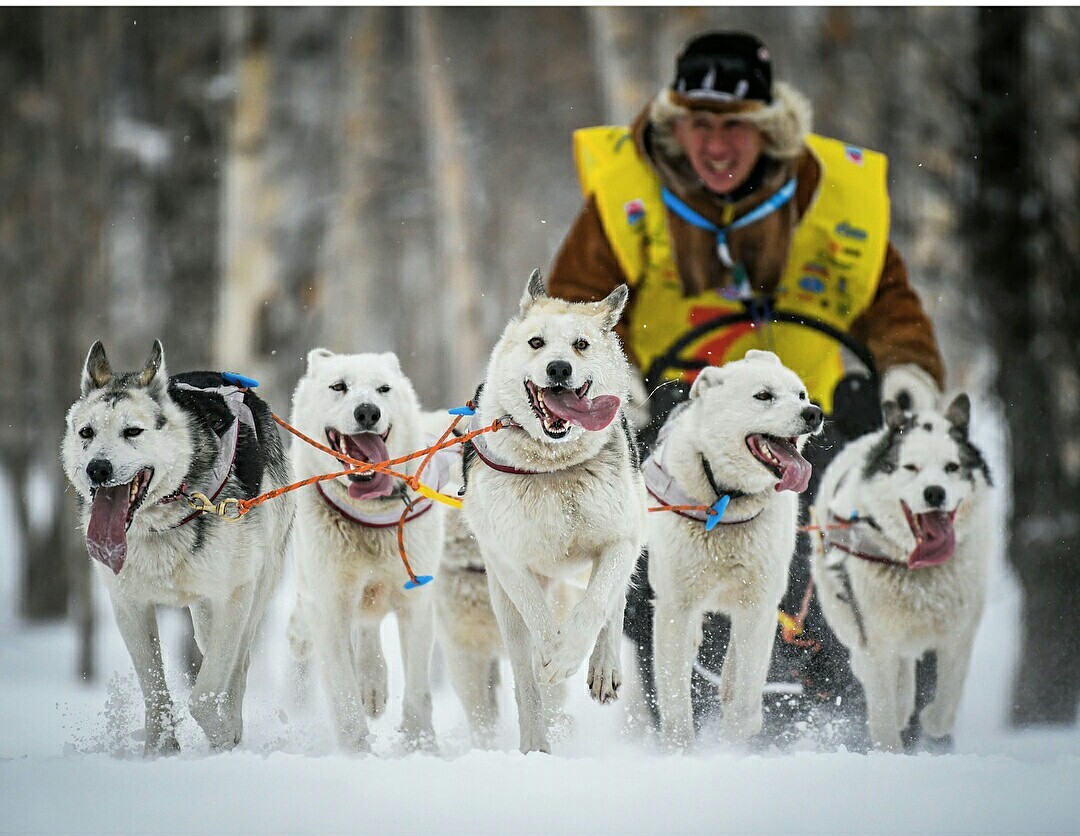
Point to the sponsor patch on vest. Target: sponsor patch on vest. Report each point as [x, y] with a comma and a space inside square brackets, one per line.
[812, 284]
[853, 154]
[848, 231]
[635, 211]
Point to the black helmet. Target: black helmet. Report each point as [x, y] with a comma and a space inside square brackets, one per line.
[723, 71]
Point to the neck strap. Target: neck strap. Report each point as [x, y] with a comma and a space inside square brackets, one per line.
[778, 199]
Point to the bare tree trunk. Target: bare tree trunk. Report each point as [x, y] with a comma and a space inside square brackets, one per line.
[1035, 321]
[626, 59]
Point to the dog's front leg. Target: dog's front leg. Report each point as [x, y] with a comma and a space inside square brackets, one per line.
[605, 674]
[953, 659]
[519, 646]
[674, 631]
[215, 703]
[879, 671]
[331, 628]
[752, 634]
[416, 633]
[570, 644]
[139, 629]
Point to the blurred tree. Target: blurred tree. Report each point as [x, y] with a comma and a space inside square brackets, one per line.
[1024, 246]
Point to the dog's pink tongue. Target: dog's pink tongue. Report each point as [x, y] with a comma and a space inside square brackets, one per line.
[795, 470]
[588, 413]
[106, 536]
[369, 447]
[937, 541]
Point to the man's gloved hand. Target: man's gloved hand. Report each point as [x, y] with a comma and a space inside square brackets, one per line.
[912, 387]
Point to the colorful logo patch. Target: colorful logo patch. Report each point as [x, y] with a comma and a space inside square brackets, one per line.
[853, 154]
[812, 284]
[816, 269]
[635, 211]
[848, 231]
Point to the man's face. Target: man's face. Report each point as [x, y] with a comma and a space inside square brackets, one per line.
[722, 149]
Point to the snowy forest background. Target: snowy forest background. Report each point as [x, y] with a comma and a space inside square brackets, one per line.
[246, 184]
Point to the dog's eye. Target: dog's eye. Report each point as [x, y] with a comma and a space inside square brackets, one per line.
[802, 396]
[581, 344]
[764, 395]
[382, 390]
[131, 432]
[87, 433]
[914, 468]
[339, 386]
[537, 342]
[952, 467]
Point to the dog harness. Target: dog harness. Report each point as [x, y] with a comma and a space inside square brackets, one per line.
[439, 467]
[832, 271]
[843, 536]
[227, 444]
[492, 460]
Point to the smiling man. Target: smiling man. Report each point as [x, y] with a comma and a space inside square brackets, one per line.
[719, 200]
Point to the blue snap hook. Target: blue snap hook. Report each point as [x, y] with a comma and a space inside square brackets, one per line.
[462, 410]
[239, 380]
[716, 512]
[420, 581]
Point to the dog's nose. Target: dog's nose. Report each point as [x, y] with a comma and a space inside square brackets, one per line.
[559, 372]
[934, 496]
[367, 415]
[100, 471]
[813, 416]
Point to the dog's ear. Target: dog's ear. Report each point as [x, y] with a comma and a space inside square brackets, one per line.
[317, 354]
[708, 377]
[395, 363]
[768, 356]
[611, 306]
[96, 370]
[959, 412]
[895, 417]
[154, 369]
[534, 289]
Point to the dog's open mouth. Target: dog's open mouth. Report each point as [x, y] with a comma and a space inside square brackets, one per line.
[366, 447]
[112, 509]
[783, 458]
[559, 407]
[935, 536]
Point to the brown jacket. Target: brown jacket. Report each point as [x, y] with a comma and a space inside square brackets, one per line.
[894, 327]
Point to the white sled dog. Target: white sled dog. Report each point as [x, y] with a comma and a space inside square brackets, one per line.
[739, 436]
[349, 574]
[136, 444]
[465, 622]
[557, 492]
[909, 575]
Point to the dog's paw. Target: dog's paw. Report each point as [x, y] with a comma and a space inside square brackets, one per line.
[932, 722]
[562, 655]
[604, 677]
[418, 740]
[374, 695]
[163, 745]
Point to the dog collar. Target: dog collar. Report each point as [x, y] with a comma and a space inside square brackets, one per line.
[664, 488]
[485, 454]
[227, 446]
[390, 517]
[844, 537]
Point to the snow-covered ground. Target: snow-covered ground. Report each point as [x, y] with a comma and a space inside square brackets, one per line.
[70, 757]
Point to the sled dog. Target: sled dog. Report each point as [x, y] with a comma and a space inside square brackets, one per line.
[738, 436]
[135, 444]
[349, 574]
[558, 491]
[909, 573]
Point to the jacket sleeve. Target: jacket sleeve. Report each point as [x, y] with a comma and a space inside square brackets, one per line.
[895, 327]
[586, 269]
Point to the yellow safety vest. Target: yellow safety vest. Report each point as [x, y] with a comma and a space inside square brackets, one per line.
[832, 271]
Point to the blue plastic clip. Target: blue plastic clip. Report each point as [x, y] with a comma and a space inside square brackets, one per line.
[716, 512]
[462, 410]
[420, 581]
[239, 380]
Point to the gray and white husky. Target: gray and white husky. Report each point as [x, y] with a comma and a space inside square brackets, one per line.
[909, 573]
[135, 444]
[740, 436]
[557, 492]
[349, 574]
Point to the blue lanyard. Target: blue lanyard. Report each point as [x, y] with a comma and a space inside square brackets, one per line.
[782, 196]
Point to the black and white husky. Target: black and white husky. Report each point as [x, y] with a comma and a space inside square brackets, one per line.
[908, 573]
[558, 492]
[135, 445]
